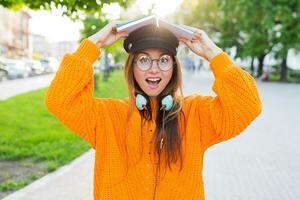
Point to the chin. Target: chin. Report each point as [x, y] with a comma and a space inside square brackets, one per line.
[152, 93]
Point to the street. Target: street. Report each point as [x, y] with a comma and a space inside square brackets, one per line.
[14, 87]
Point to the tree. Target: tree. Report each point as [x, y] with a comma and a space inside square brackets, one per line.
[202, 14]
[287, 36]
[267, 26]
[255, 28]
[72, 7]
[250, 25]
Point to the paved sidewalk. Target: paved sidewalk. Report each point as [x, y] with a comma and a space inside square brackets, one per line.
[71, 182]
[18, 86]
[263, 163]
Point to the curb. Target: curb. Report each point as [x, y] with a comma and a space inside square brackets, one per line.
[34, 186]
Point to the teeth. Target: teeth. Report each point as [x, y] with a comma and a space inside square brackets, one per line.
[153, 79]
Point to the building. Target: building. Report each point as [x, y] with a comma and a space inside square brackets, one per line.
[59, 49]
[14, 28]
[39, 46]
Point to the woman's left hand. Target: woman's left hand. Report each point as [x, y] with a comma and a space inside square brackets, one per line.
[201, 44]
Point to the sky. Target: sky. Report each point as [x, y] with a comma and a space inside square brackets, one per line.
[53, 26]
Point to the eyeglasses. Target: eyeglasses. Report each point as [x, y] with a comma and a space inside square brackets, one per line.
[144, 62]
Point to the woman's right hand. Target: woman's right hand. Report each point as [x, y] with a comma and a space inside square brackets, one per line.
[107, 35]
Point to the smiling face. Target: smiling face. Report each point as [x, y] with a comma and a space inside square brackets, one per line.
[154, 80]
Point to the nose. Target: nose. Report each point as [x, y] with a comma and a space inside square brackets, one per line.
[154, 68]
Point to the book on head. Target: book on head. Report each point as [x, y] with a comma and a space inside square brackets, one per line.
[178, 30]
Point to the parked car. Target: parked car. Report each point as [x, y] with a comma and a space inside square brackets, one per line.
[35, 66]
[15, 68]
[3, 72]
[50, 65]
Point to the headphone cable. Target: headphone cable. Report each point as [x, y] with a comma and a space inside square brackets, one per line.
[159, 152]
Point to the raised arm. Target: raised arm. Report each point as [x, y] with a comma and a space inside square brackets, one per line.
[70, 95]
[237, 102]
[236, 105]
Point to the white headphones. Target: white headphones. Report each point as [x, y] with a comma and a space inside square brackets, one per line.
[166, 102]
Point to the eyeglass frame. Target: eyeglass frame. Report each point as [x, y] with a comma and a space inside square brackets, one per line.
[151, 65]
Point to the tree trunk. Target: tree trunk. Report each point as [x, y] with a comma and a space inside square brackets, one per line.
[106, 67]
[260, 65]
[252, 65]
[283, 70]
[96, 81]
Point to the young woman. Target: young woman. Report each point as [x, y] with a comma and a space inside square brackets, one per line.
[151, 145]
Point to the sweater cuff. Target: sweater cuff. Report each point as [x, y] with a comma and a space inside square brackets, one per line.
[221, 63]
[88, 51]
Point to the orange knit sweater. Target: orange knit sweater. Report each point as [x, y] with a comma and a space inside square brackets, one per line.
[102, 122]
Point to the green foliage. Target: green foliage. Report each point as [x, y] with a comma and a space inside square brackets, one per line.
[202, 14]
[255, 28]
[92, 24]
[249, 25]
[118, 52]
[71, 7]
[287, 18]
[11, 185]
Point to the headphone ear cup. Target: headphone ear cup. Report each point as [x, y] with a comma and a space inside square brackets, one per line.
[167, 102]
[140, 101]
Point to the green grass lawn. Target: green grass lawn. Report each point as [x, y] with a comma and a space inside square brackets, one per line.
[115, 86]
[30, 135]
[276, 78]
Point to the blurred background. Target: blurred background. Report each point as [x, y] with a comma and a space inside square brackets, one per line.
[262, 36]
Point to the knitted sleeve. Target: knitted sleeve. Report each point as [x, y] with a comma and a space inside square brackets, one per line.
[70, 95]
[236, 105]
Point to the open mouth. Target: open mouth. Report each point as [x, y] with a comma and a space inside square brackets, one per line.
[153, 82]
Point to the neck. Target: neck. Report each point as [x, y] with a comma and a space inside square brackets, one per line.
[153, 99]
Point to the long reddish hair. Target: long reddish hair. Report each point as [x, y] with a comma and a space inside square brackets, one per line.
[173, 141]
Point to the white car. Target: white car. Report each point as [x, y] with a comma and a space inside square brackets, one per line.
[15, 68]
[3, 72]
[50, 65]
[35, 66]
